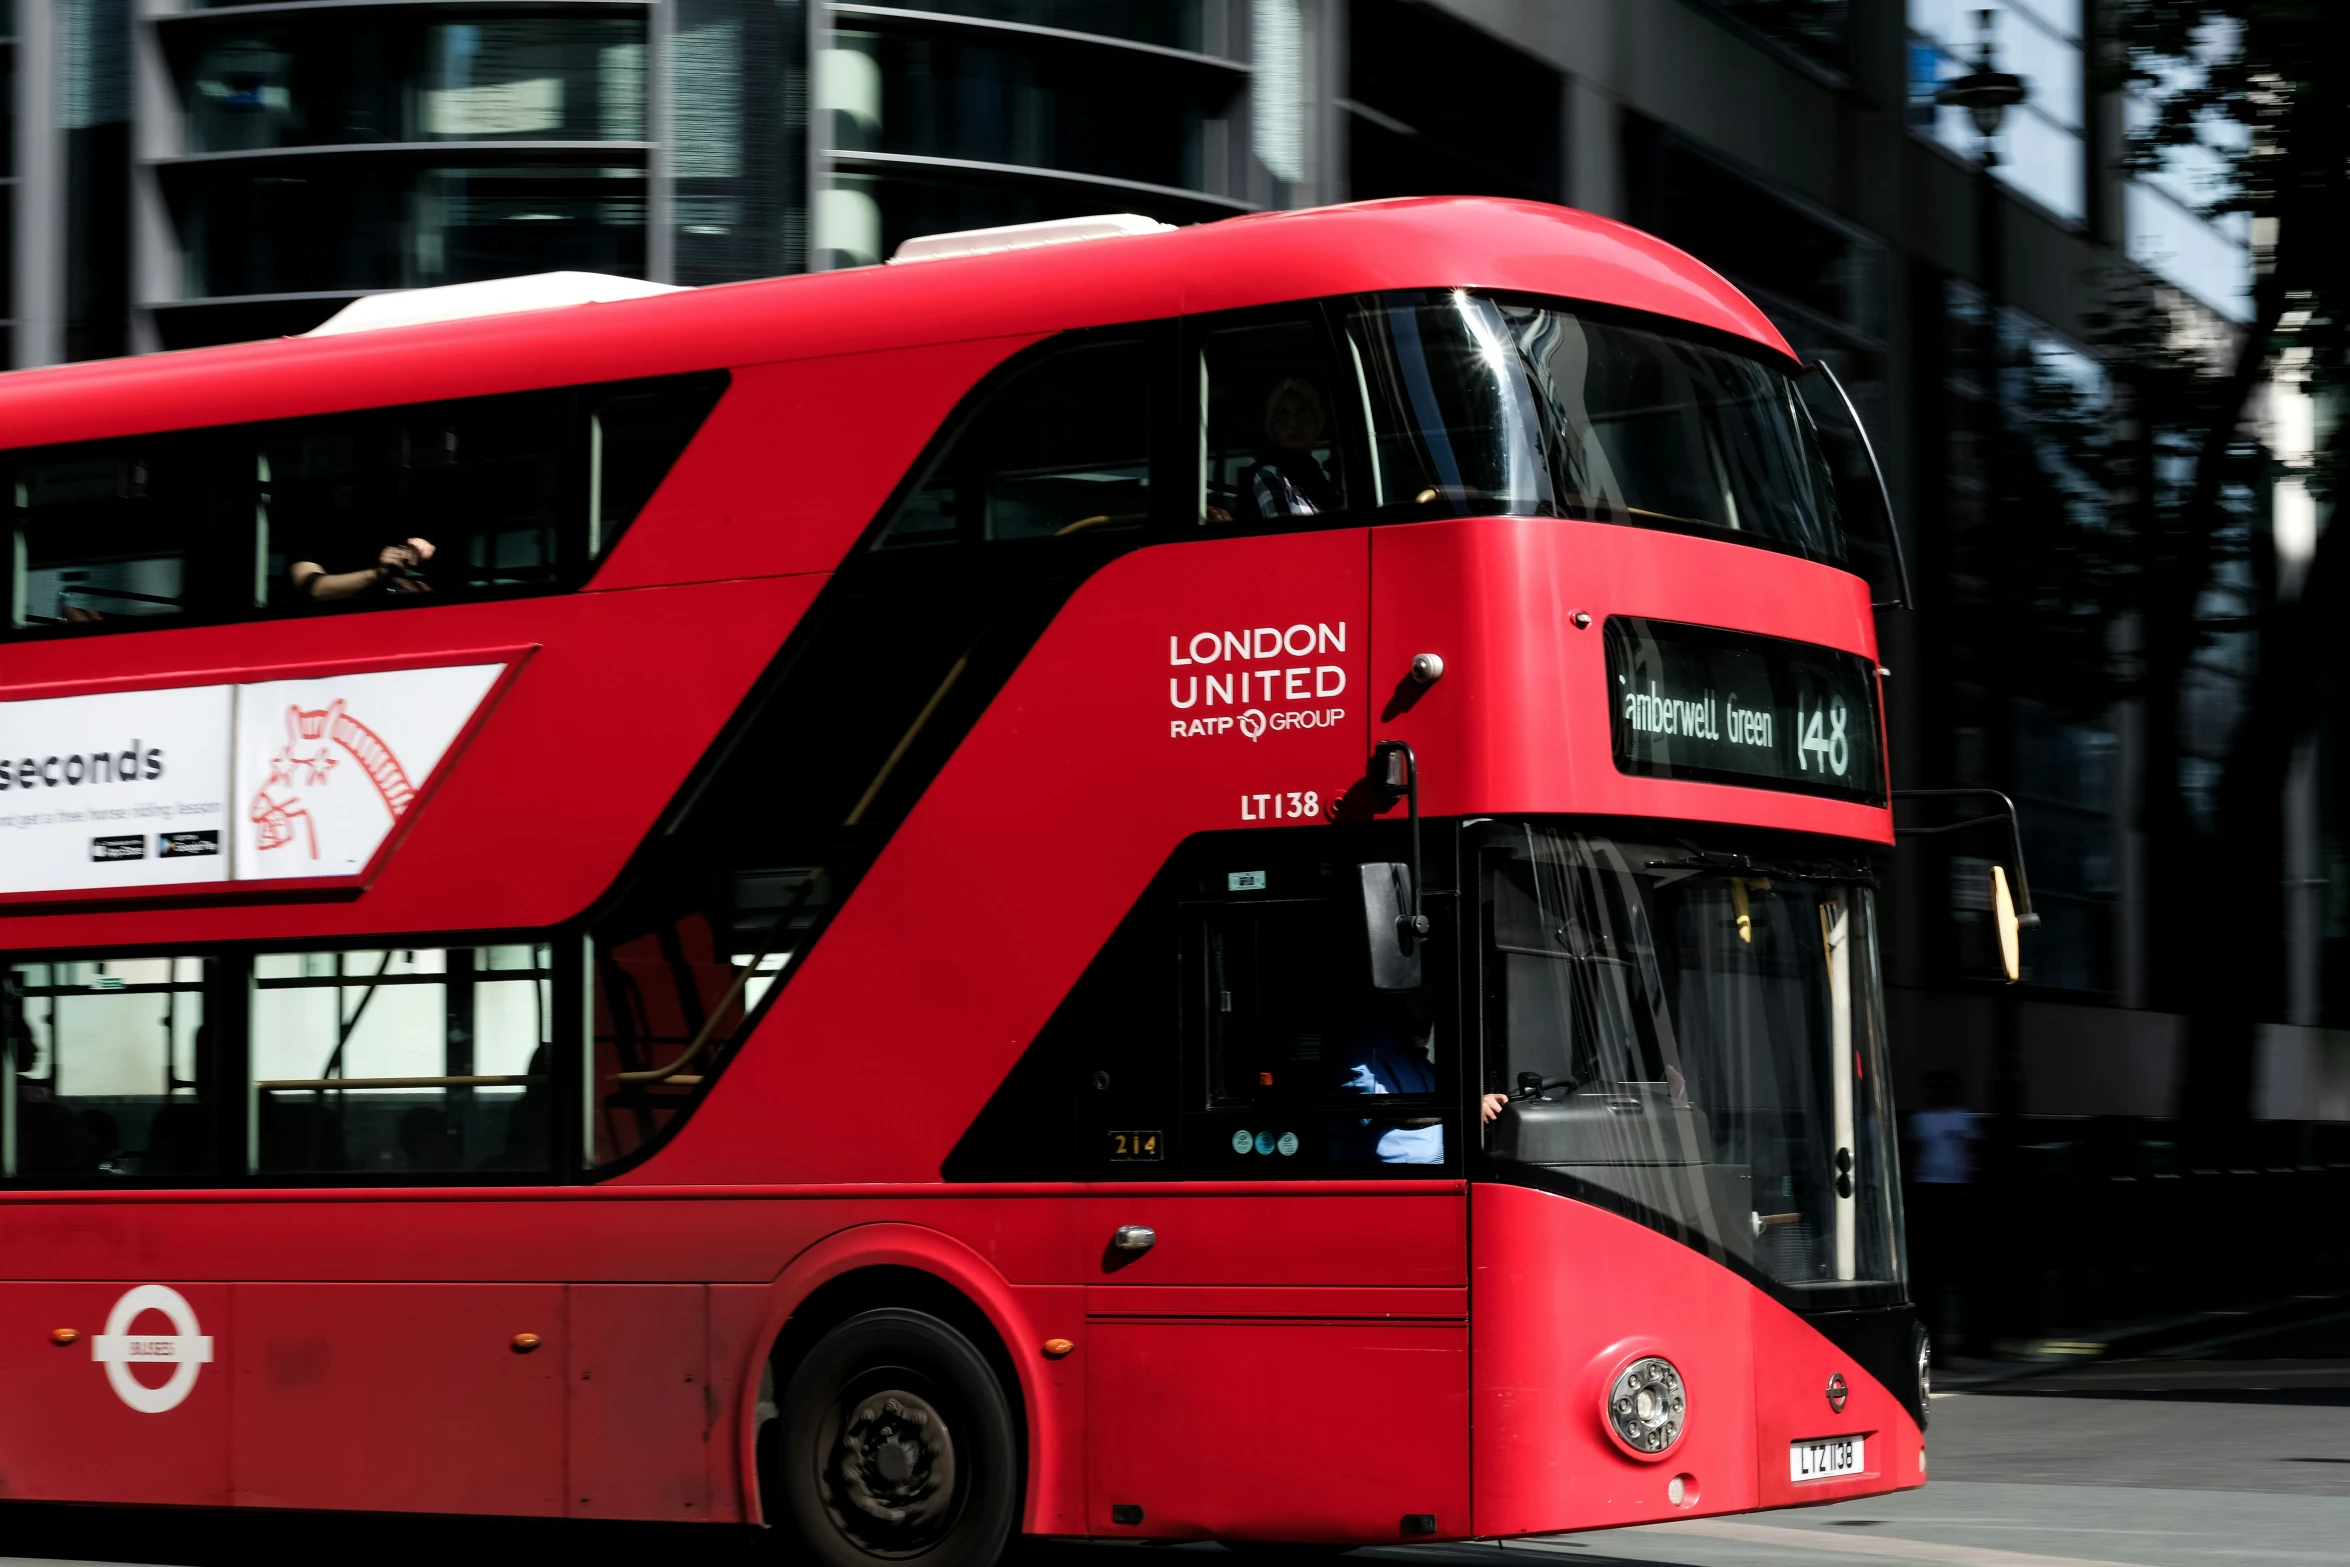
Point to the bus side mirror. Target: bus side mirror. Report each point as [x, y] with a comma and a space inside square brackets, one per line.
[2011, 928]
[1390, 926]
[2011, 910]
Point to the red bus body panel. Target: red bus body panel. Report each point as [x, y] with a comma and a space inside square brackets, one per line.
[1293, 1359]
[1551, 1339]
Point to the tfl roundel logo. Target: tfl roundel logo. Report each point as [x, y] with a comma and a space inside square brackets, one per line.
[185, 1349]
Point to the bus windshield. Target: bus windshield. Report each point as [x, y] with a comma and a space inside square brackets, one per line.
[1696, 1040]
[1482, 405]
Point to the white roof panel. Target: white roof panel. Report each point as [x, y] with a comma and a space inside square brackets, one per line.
[496, 297]
[1026, 236]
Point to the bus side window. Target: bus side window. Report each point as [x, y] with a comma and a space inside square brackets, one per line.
[402, 1061]
[483, 482]
[634, 439]
[1310, 1070]
[109, 1069]
[124, 535]
[1277, 1012]
[492, 477]
[675, 981]
[1271, 433]
[1060, 449]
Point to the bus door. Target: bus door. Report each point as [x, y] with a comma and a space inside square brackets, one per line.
[1302, 1278]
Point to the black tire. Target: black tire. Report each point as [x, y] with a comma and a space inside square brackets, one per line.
[895, 1443]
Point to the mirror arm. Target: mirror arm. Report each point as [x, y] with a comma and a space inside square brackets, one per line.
[1416, 923]
[2025, 919]
[1901, 594]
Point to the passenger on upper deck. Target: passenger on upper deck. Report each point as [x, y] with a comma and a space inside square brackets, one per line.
[1287, 479]
[395, 567]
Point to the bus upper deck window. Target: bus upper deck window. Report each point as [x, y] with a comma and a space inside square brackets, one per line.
[1060, 449]
[481, 483]
[1273, 414]
[1481, 405]
[634, 439]
[118, 536]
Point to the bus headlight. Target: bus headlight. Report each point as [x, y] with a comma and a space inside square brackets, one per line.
[1648, 1404]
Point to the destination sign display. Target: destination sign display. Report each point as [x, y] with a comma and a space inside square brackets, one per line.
[1729, 707]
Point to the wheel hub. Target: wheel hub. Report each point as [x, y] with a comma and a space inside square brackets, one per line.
[894, 1471]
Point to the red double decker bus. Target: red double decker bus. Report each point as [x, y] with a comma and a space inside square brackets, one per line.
[1193, 884]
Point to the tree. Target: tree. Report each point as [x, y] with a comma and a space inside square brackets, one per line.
[2256, 92]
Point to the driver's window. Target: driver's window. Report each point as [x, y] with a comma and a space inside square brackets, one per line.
[1272, 413]
[1310, 1070]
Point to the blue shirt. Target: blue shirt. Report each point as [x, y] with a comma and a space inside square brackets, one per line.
[1377, 1063]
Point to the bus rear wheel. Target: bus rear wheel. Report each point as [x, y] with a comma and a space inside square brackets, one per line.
[897, 1445]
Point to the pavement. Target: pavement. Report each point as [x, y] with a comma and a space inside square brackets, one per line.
[2201, 1445]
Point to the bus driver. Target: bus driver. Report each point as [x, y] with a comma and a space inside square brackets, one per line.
[1397, 1055]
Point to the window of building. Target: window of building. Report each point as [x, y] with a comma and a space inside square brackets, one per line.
[1171, 24]
[2042, 142]
[1505, 138]
[305, 84]
[297, 230]
[947, 96]
[8, 186]
[739, 132]
[1819, 30]
[1275, 407]
[2165, 210]
[1796, 261]
[937, 118]
[402, 1061]
[1061, 448]
[107, 1069]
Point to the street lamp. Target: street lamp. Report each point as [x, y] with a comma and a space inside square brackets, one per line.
[1984, 93]
[1987, 94]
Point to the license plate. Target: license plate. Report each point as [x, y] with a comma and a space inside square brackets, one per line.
[1824, 1459]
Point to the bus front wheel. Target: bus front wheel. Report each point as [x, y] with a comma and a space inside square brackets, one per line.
[897, 1445]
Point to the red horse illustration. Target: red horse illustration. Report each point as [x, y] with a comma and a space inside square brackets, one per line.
[307, 761]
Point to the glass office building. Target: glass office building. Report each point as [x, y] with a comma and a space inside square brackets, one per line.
[229, 171]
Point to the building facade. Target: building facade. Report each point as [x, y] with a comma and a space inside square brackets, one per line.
[180, 173]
